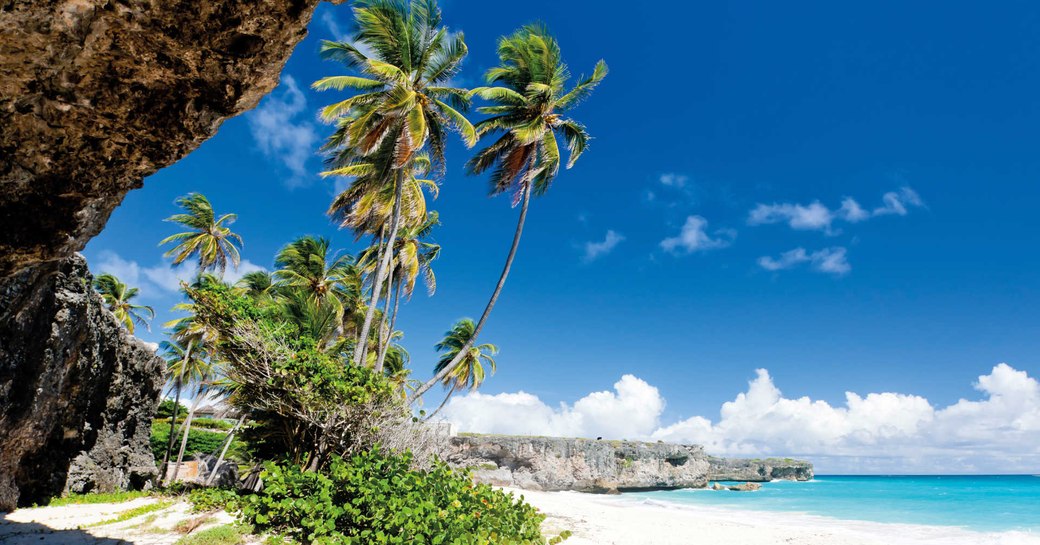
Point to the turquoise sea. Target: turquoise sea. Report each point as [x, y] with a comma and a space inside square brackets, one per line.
[981, 503]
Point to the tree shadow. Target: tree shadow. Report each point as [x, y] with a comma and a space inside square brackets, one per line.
[24, 533]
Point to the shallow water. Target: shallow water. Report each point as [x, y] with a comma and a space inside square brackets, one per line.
[982, 503]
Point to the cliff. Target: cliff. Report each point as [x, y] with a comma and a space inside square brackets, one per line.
[95, 95]
[586, 465]
[77, 392]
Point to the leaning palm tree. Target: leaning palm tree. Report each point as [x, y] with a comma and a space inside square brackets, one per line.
[259, 286]
[470, 374]
[403, 107]
[117, 297]
[208, 238]
[528, 112]
[183, 360]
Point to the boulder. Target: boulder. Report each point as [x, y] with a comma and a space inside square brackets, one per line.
[746, 487]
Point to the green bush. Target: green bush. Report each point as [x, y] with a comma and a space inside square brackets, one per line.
[165, 410]
[204, 500]
[375, 498]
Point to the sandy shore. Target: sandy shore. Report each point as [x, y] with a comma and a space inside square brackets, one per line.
[617, 520]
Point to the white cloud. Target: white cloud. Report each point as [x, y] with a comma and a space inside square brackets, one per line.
[828, 260]
[595, 250]
[281, 135]
[332, 25]
[876, 432]
[160, 279]
[674, 180]
[694, 238]
[816, 216]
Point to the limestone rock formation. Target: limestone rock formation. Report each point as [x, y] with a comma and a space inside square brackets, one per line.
[75, 388]
[586, 465]
[97, 94]
[760, 470]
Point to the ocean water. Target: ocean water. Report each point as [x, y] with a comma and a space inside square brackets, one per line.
[979, 503]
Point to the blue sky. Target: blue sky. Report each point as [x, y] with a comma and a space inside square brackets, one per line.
[843, 195]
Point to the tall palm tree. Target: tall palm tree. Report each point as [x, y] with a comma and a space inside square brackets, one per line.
[528, 112]
[117, 297]
[183, 359]
[403, 106]
[470, 373]
[208, 238]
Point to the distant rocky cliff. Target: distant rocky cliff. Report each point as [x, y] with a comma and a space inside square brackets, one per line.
[587, 465]
[77, 392]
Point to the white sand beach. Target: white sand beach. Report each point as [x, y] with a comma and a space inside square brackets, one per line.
[617, 520]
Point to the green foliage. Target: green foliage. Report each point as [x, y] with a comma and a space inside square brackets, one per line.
[113, 497]
[211, 423]
[206, 442]
[220, 535]
[376, 498]
[165, 410]
[204, 500]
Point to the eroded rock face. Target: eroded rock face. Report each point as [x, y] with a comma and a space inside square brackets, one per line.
[586, 465]
[760, 470]
[75, 389]
[97, 94]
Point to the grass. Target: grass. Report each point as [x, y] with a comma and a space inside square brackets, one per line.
[229, 534]
[133, 513]
[113, 497]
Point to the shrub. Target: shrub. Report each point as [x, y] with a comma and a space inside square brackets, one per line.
[203, 441]
[165, 410]
[213, 499]
[377, 498]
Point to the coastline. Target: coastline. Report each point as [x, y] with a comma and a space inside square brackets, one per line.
[605, 520]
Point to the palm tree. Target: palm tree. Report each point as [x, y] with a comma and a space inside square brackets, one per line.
[402, 108]
[414, 257]
[259, 286]
[208, 239]
[183, 361]
[308, 265]
[469, 374]
[528, 110]
[117, 297]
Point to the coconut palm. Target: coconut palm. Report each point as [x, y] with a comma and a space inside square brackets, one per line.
[307, 264]
[259, 286]
[117, 297]
[470, 373]
[183, 361]
[404, 106]
[528, 112]
[208, 238]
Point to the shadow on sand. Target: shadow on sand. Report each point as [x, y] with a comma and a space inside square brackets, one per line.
[24, 533]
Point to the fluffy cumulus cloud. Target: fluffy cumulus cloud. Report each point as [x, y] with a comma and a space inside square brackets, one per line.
[160, 279]
[596, 249]
[283, 131]
[876, 432]
[816, 216]
[828, 260]
[694, 237]
[674, 180]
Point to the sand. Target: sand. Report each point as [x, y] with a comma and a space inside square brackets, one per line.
[617, 520]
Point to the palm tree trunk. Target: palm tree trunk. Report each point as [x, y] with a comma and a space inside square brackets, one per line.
[176, 406]
[443, 403]
[184, 437]
[384, 343]
[381, 270]
[526, 199]
[223, 451]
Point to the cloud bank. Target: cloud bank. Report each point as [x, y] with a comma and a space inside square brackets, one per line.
[872, 433]
[815, 216]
